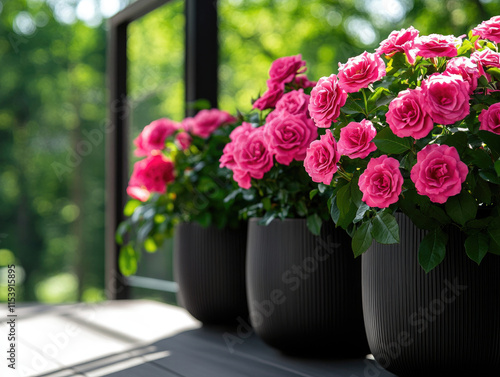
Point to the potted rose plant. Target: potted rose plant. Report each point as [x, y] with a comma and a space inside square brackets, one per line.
[179, 188]
[297, 263]
[411, 150]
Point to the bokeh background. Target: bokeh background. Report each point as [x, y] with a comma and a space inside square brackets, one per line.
[53, 105]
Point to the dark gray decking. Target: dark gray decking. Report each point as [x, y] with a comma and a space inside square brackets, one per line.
[145, 338]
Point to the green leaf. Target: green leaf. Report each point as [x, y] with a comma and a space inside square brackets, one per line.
[387, 142]
[204, 219]
[375, 96]
[266, 202]
[313, 193]
[491, 140]
[490, 176]
[127, 260]
[476, 246]
[334, 210]
[432, 249]
[123, 228]
[346, 207]
[267, 218]
[494, 231]
[497, 167]
[457, 140]
[461, 208]
[314, 224]
[494, 72]
[301, 208]
[385, 228]
[130, 207]
[479, 157]
[360, 213]
[362, 238]
[150, 245]
[482, 192]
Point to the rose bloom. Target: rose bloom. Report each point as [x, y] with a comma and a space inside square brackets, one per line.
[183, 140]
[153, 136]
[207, 121]
[356, 139]
[268, 100]
[489, 29]
[283, 70]
[294, 102]
[399, 41]
[227, 158]
[438, 173]
[361, 71]
[434, 45]
[466, 68]
[251, 156]
[327, 97]
[187, 124]
[289, 137]
[381, 182]
[490, 119]
[407, 115]
[322, 158]
[151, 174]
[446, 98]
[485, 59]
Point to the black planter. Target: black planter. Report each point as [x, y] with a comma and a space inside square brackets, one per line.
[304, 291]
[444, 323]
[209, 266]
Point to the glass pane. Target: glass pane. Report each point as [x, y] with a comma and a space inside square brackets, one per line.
[156, 90]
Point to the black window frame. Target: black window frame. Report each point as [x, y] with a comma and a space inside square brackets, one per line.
[201, 82]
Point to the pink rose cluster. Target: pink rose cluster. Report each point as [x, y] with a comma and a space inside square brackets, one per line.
[330, 93]
[285, 136]
[286, 70]
[151, 174]
[155, 172]
[356, 141]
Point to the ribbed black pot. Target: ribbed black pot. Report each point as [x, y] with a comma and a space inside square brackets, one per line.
[304, 291]
[444, 323]
[209, 267]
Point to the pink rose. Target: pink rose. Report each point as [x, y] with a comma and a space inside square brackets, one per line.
[489, 29]
[151, 174]
[399, 41]
[327, 97]
[381, 182]
[361, 71]
[303, 82]
[438, 173]
[434, 45]
[244, 129]
[283, 70]
[490, 119]
[356, 139]
[183, 140]
[207, 121]
[251, 156]
[446, 97]
[407, 115]
[227, 158]
[153, 136]
[289, 136]
[466, 68]
[322, 158]
[187, 124]
[485, 59]
[273, 93]
[294, 102]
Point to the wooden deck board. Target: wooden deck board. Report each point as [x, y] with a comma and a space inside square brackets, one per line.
[145, 338]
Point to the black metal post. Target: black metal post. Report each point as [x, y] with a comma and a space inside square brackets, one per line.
[201, 59]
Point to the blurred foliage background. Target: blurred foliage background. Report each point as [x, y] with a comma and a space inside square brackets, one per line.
[53, 105]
